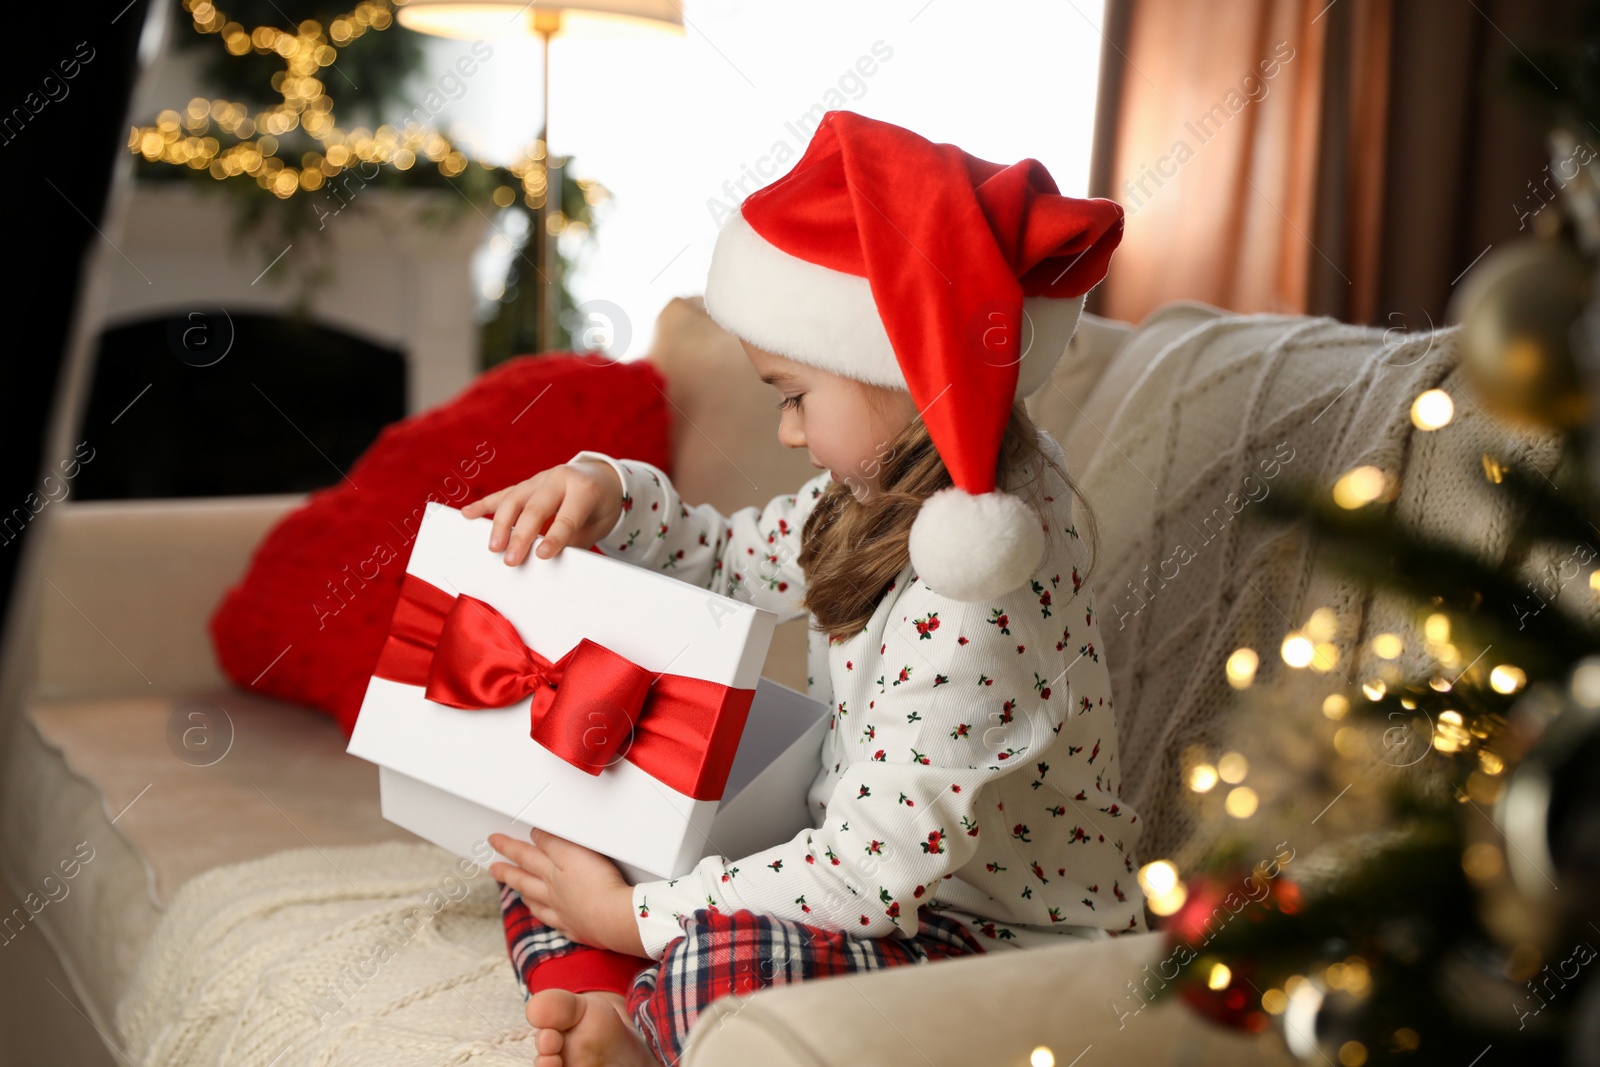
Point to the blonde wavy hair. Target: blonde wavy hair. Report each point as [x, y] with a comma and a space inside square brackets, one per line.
[852, 548]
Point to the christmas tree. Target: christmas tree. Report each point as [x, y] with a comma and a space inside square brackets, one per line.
[1413, 873]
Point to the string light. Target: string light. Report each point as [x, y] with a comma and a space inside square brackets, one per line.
[1297, 649]
[186, 139]
[1348, 742]
[1163, 891]
[1585, 683]
[1449, 733]
[1322, 624]
[1481, 862]
[1352, 1054]
[1507, 679]
[1241, 667]
[1387, 645]
[1241, 802]
[1360, 486]
[1432, 410]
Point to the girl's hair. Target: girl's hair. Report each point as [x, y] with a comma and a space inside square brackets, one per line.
[851, 549]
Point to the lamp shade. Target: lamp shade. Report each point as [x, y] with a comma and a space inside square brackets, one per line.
[478, 19]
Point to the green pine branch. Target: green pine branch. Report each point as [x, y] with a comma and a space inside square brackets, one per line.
[1372, 546]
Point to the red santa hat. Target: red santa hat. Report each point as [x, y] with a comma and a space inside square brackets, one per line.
[884, 257]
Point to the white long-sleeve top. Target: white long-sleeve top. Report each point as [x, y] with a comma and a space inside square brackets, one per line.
[970, 763]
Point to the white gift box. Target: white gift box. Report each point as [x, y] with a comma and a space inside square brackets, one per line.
[453, 776]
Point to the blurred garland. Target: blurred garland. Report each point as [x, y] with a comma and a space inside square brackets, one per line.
[371, 67]
[290, 144]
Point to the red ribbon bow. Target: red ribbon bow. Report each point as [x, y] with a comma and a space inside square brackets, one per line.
[591, 707]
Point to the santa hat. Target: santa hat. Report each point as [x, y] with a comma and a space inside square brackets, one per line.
[884, 257]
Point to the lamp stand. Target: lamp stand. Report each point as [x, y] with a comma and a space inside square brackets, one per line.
[546, 23]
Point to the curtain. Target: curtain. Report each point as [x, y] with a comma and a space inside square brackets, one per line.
[1299, 156]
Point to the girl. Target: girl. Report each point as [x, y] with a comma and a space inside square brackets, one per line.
[890, 289]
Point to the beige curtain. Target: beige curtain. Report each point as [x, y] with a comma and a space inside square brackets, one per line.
[1347, 158]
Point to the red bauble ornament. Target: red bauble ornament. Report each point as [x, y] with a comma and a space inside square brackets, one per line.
[1236, 1005]
[1214, 902]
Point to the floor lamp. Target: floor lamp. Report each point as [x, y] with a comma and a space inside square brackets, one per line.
[480, 19]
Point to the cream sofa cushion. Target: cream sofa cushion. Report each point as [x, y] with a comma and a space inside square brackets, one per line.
[1058, 404]
[725, 420]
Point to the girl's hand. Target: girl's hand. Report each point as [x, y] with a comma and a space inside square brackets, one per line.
[575, 891]
[585, 498]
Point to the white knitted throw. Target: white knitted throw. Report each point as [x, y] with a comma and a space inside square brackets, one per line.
[1223, 396]
[378, 954]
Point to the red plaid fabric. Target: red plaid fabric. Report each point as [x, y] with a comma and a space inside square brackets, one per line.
[719, 954]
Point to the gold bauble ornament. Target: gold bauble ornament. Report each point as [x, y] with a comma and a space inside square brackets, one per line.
[1518, 310]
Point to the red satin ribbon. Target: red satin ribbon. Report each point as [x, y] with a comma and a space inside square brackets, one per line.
[592, 707]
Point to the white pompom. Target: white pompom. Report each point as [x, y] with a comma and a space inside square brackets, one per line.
[975, 547]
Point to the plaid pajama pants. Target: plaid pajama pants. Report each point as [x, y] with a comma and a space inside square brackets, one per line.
[718, 955]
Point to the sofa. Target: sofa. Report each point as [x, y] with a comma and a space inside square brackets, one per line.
[108, 656]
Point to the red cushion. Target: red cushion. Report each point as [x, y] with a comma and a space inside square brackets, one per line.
[306, 622]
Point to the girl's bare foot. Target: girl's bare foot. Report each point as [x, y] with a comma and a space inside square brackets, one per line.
[585, 1030]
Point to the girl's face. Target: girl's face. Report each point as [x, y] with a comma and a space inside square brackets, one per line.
[834, 418]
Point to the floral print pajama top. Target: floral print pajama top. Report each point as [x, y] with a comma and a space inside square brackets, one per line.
[970, 764]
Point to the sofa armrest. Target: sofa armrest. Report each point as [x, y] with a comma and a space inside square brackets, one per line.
[995, 1008]
[122, 591]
